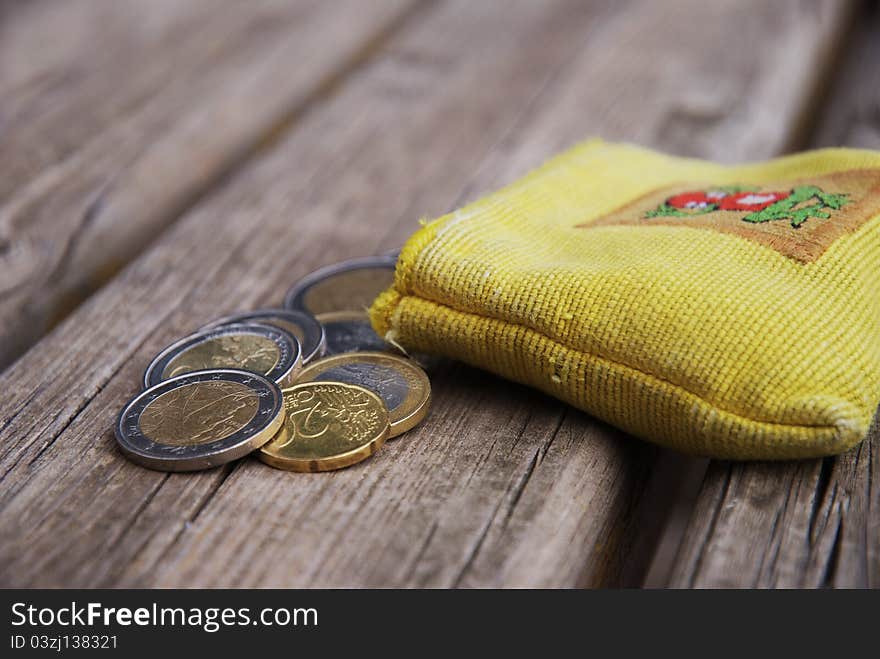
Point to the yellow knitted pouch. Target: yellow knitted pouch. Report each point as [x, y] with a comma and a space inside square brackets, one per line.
[732, 312]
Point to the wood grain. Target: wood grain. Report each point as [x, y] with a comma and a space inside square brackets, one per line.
[500, 486]
[128, 111]
[813, 523]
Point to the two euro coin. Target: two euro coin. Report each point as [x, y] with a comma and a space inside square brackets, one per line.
[200, 419]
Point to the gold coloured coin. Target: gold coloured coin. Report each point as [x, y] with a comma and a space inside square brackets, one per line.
[329, 425]
[347, 286]
[401, 384]
[263, 349]
[200, 419]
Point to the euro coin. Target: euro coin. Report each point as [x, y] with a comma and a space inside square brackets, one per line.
[347, 286]
[263, 349]
[200, 420]
[350, 331]
[308, 331]
[400, 383]
[329, 425]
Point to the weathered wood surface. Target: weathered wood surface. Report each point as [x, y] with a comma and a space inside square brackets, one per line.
[115, 115]
[817, 522]
[500, 486]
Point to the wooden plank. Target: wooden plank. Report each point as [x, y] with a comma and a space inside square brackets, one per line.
[500, 486]
[116, 115]
[817, 522]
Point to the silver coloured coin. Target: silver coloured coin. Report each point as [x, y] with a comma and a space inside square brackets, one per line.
[263, 349]
[200, 420]
[304, 326]
[350, 331]
[347, 286]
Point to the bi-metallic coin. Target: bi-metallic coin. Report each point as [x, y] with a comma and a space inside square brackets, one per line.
[400, 383]
[329, 425]
[350, 331]
[200, 420]
[302, 325]
[350, 285]
[263, 349]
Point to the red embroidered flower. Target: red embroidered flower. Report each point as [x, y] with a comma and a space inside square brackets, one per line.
[691, 201]
[750, 201]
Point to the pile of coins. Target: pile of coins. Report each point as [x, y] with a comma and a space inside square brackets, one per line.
[307, 387]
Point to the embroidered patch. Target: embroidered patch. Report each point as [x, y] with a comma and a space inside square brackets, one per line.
[798, 218]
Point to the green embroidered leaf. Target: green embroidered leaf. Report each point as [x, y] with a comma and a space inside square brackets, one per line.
[665, 210]
[831, 200]
[768, 214]
[801, 215]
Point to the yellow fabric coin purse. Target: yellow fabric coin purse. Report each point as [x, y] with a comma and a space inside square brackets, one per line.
[727, 311]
